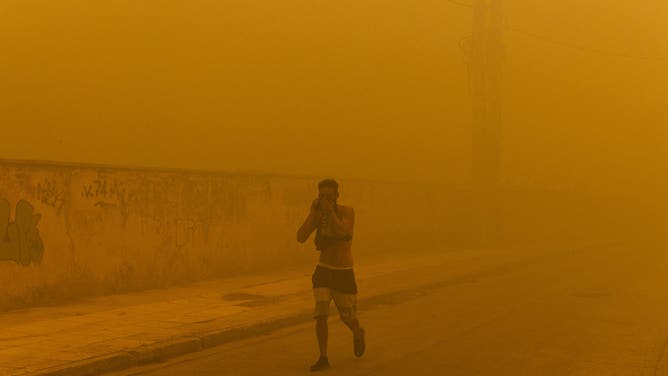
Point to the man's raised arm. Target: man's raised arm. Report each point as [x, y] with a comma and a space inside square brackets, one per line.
[309, 225]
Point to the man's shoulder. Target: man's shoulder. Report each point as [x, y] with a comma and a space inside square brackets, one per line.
[348, 210]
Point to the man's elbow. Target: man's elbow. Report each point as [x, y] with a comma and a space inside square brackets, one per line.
[301, 238]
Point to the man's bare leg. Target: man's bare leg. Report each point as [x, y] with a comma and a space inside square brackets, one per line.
[353, 323]
[354, 326]
[321, 332]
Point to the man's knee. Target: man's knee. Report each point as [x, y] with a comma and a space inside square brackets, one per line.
[321, 311]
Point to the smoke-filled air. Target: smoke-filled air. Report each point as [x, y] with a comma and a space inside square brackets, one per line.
[475, 187]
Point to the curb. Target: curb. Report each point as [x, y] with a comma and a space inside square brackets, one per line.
[94, 366]
[190, 343]
[230, 335]
[161, 351]
[164, 350]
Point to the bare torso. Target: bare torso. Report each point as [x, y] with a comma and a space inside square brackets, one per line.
[339, 254]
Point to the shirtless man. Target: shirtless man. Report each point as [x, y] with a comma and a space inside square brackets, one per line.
[333, 278]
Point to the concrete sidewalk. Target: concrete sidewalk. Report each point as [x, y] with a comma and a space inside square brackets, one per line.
[116, 332]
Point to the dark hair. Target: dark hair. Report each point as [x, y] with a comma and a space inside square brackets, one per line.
[329, 183]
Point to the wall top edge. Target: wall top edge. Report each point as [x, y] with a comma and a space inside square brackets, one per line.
[174, 170]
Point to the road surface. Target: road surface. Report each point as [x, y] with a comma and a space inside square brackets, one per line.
[598, 311]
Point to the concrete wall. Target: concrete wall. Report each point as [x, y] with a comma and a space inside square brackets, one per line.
[73, 231]
[77, 231]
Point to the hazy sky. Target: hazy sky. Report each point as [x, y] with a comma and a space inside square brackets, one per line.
[374, 89]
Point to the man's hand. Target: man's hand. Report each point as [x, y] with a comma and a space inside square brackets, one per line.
[326, 206]
[315, 205]
[316, 212]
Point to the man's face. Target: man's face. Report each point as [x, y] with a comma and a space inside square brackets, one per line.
[329, 194]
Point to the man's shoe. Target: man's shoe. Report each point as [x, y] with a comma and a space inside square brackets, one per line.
[321, 365]
[360, 345]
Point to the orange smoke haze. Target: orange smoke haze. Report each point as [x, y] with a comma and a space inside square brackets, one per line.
[350, 89]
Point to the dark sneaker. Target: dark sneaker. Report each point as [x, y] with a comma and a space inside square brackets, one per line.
[321, 365]
[360, 345]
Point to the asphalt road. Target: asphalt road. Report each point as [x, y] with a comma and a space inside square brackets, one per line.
[600, 311]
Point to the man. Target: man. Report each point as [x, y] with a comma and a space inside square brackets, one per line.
[333, 278]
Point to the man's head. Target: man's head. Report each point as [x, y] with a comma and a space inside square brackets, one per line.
[328, 190]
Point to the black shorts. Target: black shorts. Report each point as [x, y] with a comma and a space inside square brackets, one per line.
[342, 281]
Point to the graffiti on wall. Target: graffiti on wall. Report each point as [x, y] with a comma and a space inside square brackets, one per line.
[50, 193]
[108, 195]
[20, 240]
[103, 189]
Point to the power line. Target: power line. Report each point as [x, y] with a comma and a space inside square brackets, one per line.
[460, 3]
[584, 48]
[570, 45]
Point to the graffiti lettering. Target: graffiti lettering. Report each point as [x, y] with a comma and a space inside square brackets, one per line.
[49, 194]
[87, 191]
[20, 241]
[101, 189]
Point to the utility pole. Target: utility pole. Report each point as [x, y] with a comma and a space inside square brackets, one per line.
[487, 55]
